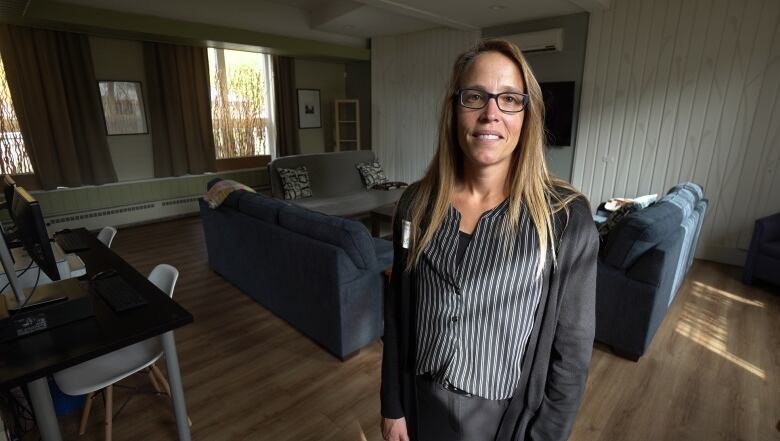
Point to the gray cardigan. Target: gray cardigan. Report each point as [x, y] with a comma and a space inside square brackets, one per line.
[556, 361]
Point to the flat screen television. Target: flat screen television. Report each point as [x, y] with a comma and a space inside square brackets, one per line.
[32, 231]
[558, 112]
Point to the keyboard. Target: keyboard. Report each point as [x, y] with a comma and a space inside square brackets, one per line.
[70, 243]
[118, 294]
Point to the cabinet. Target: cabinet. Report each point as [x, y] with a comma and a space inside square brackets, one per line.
[347, 125]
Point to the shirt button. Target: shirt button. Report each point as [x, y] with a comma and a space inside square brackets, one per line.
[454, 319]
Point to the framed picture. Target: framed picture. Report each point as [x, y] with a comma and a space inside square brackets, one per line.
[309, 109]
[123, 107]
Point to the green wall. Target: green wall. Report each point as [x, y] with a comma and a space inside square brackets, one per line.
[123, 60]
[328, 78]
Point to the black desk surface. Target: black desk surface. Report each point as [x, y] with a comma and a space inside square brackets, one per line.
[34, 356]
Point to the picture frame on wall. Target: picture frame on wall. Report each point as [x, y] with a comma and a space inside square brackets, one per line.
[123, 107]
[309, 116]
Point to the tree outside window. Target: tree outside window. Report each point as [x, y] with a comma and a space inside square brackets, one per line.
[241, 103]
[13, 154]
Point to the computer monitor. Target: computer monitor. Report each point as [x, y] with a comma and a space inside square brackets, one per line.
[32, 231]
[8, 191]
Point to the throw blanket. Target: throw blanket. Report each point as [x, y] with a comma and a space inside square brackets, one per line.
[220, 191]
[389, 185]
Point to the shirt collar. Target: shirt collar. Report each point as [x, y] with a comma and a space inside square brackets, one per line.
[498, 210]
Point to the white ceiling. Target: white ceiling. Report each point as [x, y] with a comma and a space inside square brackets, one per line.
[348, 22]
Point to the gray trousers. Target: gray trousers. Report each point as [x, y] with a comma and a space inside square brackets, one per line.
[444, 415]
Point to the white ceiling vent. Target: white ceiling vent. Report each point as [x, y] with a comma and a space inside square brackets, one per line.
[550, 40]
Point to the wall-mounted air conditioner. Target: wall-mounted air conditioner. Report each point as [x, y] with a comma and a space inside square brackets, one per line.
[550, 40]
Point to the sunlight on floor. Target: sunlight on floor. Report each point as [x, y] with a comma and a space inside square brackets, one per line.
[710, 289]
[709, 329]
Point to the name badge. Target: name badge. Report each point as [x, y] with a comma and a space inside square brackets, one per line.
[406, 234]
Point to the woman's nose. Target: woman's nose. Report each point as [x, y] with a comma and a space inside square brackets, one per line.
[491, 110]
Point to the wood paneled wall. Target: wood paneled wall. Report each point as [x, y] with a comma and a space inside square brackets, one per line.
[685, 90]
[409, 75]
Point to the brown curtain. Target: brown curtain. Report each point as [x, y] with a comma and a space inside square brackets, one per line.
[284, 95]
[55, 93]
[180, 109]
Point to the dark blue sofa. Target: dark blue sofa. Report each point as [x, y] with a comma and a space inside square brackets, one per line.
[322, 274]
[642, 264]
[763, 258]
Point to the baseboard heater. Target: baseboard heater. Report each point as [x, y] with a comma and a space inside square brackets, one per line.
[124, 215]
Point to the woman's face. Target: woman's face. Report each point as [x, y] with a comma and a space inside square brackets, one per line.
[488, 136]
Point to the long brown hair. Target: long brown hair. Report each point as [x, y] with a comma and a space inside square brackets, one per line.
[530, 182]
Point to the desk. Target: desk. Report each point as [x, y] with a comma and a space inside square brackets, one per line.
[69, 265]
[30, 359]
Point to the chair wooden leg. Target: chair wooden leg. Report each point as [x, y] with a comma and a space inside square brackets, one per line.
[166, 386]
[162, 379]
[85, 413]
[154, 381]
[109, 411]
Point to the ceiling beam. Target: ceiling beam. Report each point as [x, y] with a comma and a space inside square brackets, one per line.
[593, 5]
[102, 22]
[403, 9]
[331, 10]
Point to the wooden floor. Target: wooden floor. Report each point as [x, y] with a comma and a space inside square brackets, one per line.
[712, 372]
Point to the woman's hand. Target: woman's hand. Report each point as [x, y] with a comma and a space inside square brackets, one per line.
[394, 430]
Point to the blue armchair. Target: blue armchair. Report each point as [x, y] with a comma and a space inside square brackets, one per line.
[763, 259]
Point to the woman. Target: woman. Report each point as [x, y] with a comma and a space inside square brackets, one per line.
[489, 321]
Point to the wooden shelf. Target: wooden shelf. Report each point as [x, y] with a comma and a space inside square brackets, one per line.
[347, 133]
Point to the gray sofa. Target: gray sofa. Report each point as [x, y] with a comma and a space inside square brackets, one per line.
[335, 183]
[322, 274]
[642, 264]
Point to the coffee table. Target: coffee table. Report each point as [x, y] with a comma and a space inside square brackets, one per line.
[380, 215]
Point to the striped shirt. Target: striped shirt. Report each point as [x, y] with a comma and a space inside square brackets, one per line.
[474, 318]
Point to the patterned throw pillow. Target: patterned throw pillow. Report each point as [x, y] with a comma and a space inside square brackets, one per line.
[371, 173]
[295, 182]
[220, 191]
[615, 217]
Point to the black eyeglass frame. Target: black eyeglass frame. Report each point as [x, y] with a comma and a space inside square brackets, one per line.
[458, 95]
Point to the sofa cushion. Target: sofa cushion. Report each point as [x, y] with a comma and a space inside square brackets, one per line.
[614, 218]
[349, 235]
[261, 207]
[770, 249]
[641, 231]
[371, 173]
[683, 198]
[295, 182]
[330, 174]
[693, 187]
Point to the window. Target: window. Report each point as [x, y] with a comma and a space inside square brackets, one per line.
[13, 154]
[123, 107]
[241, 103]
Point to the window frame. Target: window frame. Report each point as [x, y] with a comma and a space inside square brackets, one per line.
[28, 180]
[256, 161]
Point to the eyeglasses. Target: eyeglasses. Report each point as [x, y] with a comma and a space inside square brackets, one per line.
[507, 102]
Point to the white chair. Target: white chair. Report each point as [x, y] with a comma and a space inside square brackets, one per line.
[106, 235]
[102, 372]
